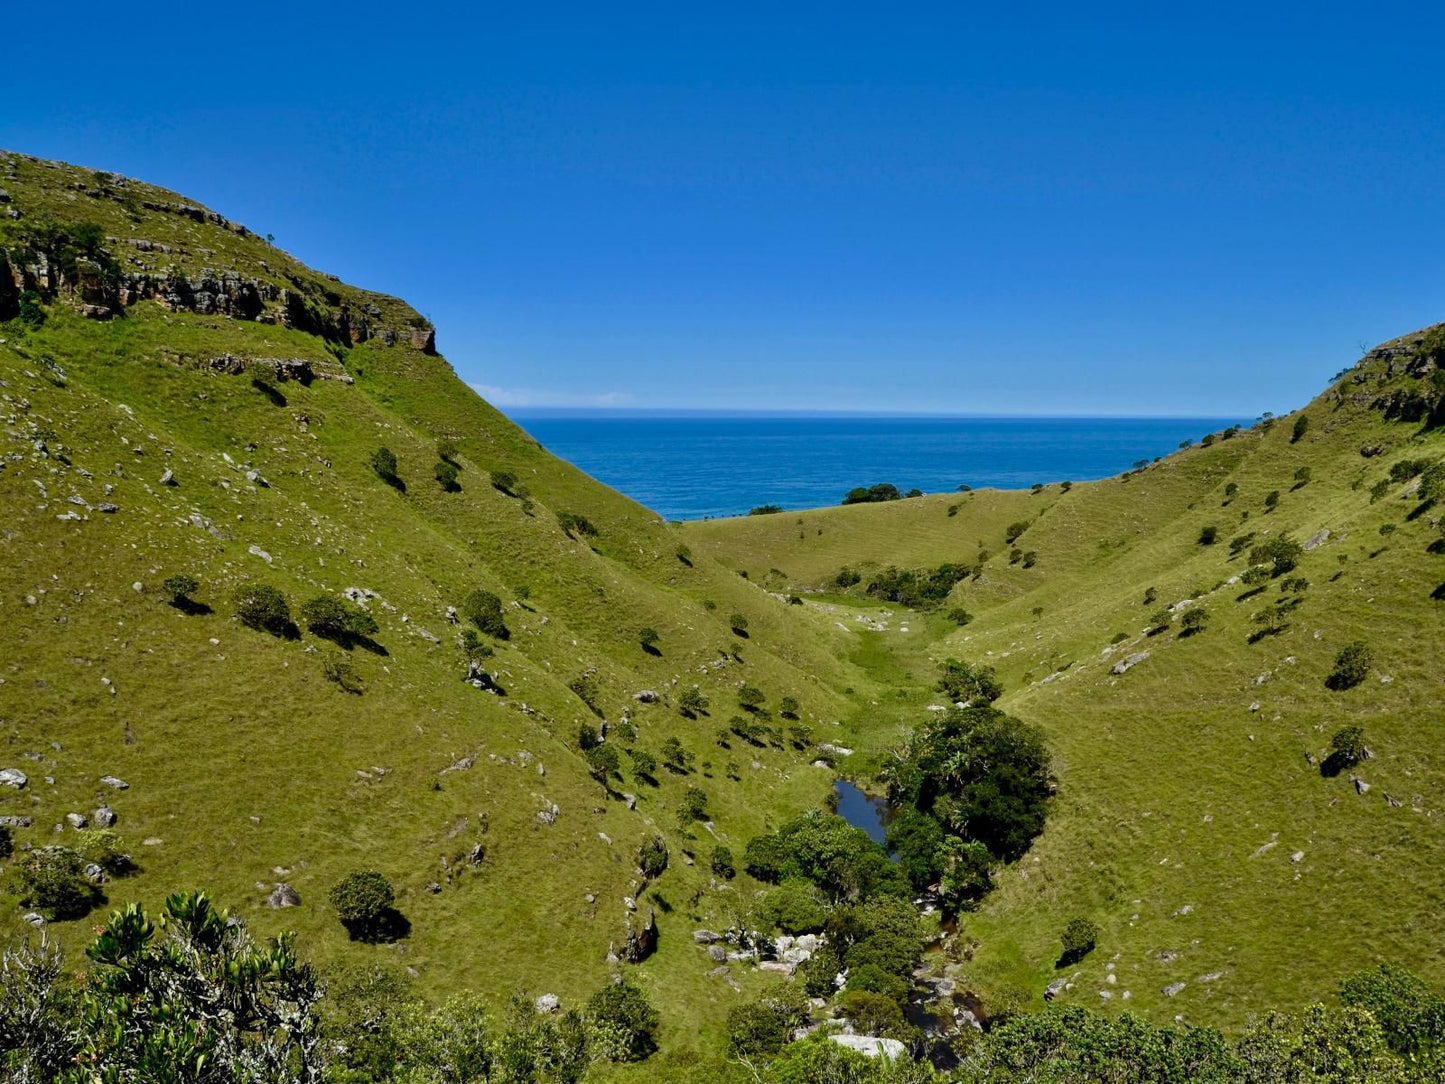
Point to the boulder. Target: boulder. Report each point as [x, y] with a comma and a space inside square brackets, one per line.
[1319, 538]
[168, 477]
[1053, 989]
[1173, 989]
[870, 1046]
[645, 696]
[16, 822]
[112, 781]
[93, 872]
[1130, 661]
[641, 941]
[76, 820]
[283, 896]
[13, 777]
[547, 1003]
[706, 937]
[34, 918]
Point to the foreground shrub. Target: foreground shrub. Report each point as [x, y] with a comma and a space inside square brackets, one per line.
[383, 461]
[652, 857]
[964, 682]
[721, 863]
[446, 473]
[180, 587]
[761, 1028]
[795, 906]
[623, 1022]
[1347, 747]
[262, 607]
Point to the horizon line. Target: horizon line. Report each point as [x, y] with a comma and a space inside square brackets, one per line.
[760, 412]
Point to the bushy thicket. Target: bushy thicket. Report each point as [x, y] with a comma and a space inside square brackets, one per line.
[919, 588]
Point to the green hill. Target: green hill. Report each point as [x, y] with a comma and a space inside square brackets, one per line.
[181, 398]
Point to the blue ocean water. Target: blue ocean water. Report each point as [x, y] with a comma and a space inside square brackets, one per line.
[692, 466]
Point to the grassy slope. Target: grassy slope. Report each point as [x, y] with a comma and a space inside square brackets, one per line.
[1177, 776]
[240, 756]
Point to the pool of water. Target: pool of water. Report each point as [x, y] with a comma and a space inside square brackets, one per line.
[864, 811]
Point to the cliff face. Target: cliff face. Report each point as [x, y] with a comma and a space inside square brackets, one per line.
[154, 254]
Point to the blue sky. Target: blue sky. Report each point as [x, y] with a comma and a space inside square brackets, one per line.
[1097, 209]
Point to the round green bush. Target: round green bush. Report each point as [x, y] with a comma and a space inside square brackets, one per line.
[362, 899]
[262, 607]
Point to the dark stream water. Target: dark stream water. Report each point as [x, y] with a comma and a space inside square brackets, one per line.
[864, 811]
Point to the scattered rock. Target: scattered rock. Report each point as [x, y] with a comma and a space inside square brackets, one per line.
[1319, 538]
[168, 477]
[1173, 988]
[76, 820]
[1296, 858]
[112, 781]
[717, 954]
[1361, 786]
[1130, 661]
[283, 896]
[1210, 977]
[645, 696]
[16, 822]
[34, 918]
[547, 1003]
[257, 551]
[93, 872]
[706, 937]
[13, 777]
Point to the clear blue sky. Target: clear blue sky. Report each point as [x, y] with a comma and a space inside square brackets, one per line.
[1074, 208]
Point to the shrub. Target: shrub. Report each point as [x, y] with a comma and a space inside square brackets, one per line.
[446, 475]
[475, 647]
[1239, 544]
[694, 806]
[882, 491]
[1015, 530]
[30, 312]
[795, 906]
[788, 707]
[1282, 554]
[1302, 477]
[1079, 938]
[49, 879]
[383, 461]
[1151, 595]
[447, 450]
[959, 616]
[963, 682]
[1352, 666]
[648, 637]
[1158, 622]
[761, 1028]
[503, 480]
[575, 524]
[721, 863]
[7, 842]
[765, 856]
[875, 1014]
[623, 1022]
[1432, 482]
[1230, 489]
[603, 762]
[1208, 536]
[766, 510]
[847, 577]
[1411, 1015]
[920, 588]
[337, 619]
[738, 623]
[675, 757]
[652, 857]
[180, 587]
[643, 762]
[363, 901]
[1195, 621]
[1271, 499]
[484, 609]
[1301, 427]
[875, 980]
[968, 873]
[684, 553]
[1347, 747]
[262, 607]
[692, 702]
[1031, 558]
[1118, 638]
[750, 697]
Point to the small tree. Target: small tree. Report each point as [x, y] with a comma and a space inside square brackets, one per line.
[363, 901]
[50, 880]
[180, 587]
[751, 698]
[692, 702]
[788, 707]
[1271, 499]
[446, 475]
[574, 524]
[1301, 427]
[644, 764]
[340, 670]
[1230, 489]
[337, 619]
[603, 762]
[1347, 747]
[962, 681]
[1208, 536]
[1352, 666]
[447, 450]
[262, 607]
[1151, 595]
[484, 609]
[675, 757]
[1195, 621]
[652, 857]
[1302, 477]
[1158, 622]
[1014, 530]
[694, 806]
[738, 623]
[1079, 938]
[648, 637]
[722, 863]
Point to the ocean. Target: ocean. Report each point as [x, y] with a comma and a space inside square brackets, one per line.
[703, 464]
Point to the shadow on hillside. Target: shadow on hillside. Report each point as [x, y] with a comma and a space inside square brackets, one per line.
[1419, 510]
[387, 928]
[395, 482]
[1334, 764]
[654, 652]
[1439, 593]
[270, 391]
[1251, 593]
[190, 607]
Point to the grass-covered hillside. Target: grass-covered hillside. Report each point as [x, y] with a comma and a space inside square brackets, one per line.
[1198, 820]
[181, 398]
